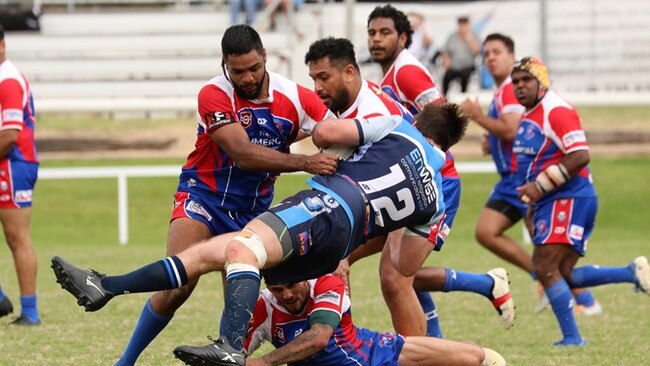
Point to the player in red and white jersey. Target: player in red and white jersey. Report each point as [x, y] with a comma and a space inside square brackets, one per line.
[310, 323]
[410, 83]
[247, 118]
[552, 157]
[18, 175]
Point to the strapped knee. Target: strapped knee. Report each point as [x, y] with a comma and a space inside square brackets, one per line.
[253, 242]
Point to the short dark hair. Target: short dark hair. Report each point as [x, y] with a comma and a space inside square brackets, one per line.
[2, 32]
[507, 41]
[240, 39]
[445, 123]
[340, 51]
[463, 19]
[401, 21]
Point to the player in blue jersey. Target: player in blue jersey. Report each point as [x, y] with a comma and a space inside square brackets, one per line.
[503, 208]
[552, 156]
[310, 323]
[390, 182]
[247, 118]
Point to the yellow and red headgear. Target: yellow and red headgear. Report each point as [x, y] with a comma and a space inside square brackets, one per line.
[534, 66]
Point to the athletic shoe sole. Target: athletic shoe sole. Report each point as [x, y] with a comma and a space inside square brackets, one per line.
[642, 274]
[501, 298]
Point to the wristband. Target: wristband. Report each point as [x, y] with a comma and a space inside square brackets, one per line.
[552, 177]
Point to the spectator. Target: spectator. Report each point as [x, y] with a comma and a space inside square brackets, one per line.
[458, 55]
[284, 6]
[421, 40]
[250, 7]
[18, 173]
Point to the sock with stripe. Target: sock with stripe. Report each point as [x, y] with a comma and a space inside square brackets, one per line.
[165, 274]
[559, 295]
[149, 326]
[242, 292]
[589, 276]
[469, 282]
[430, 313]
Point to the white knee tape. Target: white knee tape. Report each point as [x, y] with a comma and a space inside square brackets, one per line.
[253, 242]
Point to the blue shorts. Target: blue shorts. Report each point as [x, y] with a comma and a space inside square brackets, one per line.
[567, 221]
[505, 199]
[451, 194]
[17, 181]
[383, 349]
[203, 208]
[315, 234]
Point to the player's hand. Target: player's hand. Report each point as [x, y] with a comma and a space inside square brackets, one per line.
[471, 108]
[529, 193]
[343, 272]
[485, 145]
[321, 163]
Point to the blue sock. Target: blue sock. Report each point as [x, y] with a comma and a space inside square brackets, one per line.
[533, 275]
[166, 274]
[585, 299]
[149, 326]
[431, 314]
[560, 298]
[242, 292]
[28, 307]
[2, 294]
[589, 276]
[463, 281]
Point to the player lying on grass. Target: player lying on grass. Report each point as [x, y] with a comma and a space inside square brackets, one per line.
[310, 323]
[391, 181]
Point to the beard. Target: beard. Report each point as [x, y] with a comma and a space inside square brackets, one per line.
[339, 103]
[254, 94]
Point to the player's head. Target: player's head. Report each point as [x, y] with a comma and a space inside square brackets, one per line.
[244, 60]
[499, 55]
[445, 124]
[334, 69]
[389, 32]
[2, 42]
[530, 81]
[292, 297]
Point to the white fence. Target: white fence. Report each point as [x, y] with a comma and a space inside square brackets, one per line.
[122, 173]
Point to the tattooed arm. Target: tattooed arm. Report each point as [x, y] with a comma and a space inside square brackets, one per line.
[306, 344]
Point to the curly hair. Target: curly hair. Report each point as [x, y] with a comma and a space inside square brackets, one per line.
[401, 21]
[340, 51]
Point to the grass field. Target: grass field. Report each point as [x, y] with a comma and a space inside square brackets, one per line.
[78, 220]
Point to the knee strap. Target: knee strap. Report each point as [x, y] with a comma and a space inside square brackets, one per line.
[253, 242]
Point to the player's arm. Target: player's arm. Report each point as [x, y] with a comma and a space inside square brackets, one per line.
[11, 96]
[504, 128]
[305, 345]
[224, 129]
[353, 132]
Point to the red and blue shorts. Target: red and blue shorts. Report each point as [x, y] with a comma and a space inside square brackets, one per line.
[17, 181]
[567, 221]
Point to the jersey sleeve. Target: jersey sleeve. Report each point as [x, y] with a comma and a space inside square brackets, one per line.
[376, 128]
[329, 296]
[315, 110]
[215, 109]
[565, 124]
[509, 101]
[11, 104]
[417, 86]
[258, 331]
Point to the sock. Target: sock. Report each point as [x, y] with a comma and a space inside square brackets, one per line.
[470, 282]
[28, 307]
[149, 326]
[589, 276]
[242, 292]
[561, 300]
[585, 299]
[2, 294]
[166, 274]
[431, 314]
[533, 275]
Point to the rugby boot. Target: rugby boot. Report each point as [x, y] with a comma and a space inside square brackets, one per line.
[25, 321]
[641, 274]
[84, 285]
[217, 353]
[595, 309]
[6, 307]
[542, 300]
[493, 358]
[501, 298]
